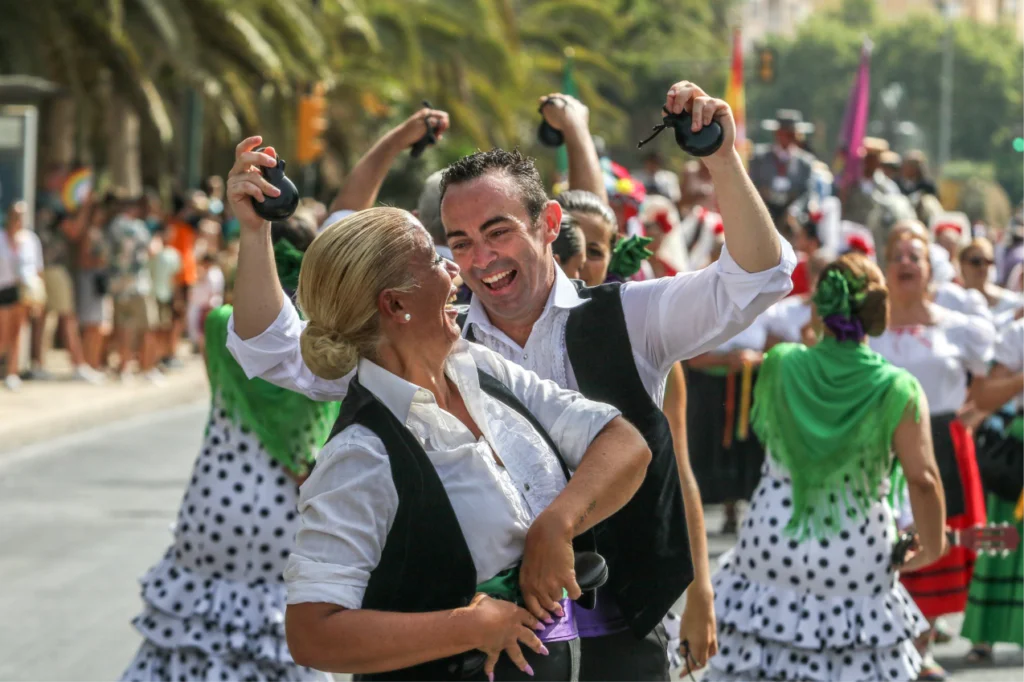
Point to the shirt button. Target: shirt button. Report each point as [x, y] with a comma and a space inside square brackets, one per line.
[527, 487]
[526, 356]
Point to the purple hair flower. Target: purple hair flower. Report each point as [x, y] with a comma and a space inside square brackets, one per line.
[845, 328]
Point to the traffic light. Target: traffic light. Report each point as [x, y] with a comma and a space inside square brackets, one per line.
[309, 146]
[766, 64]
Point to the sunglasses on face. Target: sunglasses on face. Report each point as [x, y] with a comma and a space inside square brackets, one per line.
[979, 261]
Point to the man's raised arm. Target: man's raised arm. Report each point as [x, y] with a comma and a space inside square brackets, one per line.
[572, 118]
[359, 191]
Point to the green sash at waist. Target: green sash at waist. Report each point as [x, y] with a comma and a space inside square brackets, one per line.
[505, 586]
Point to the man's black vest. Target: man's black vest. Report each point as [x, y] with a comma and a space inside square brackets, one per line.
[645, 543]
[425, 564]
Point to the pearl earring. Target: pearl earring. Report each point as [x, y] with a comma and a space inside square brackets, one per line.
[408, 317]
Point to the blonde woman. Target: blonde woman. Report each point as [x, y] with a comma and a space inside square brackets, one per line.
[438, 524]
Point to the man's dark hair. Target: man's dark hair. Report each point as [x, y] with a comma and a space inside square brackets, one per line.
[293, 230]
[512, 163]
[569, 241]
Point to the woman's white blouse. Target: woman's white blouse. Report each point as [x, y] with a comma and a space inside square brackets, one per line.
[787, 318]
[952, 296]
[941, 355]
[1010, 350]
[349, 502]
[1006, 307]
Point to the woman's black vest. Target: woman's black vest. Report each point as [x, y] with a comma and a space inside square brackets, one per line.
[425, 564]
[645, 543]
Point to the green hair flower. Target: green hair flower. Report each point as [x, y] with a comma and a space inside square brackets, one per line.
[839, 294]
[628, 254]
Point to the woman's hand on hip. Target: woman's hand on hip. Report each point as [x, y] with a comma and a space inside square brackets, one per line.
[549, 567]
[503, 626]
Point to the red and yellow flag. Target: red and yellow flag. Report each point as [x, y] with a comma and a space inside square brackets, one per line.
[734, 94]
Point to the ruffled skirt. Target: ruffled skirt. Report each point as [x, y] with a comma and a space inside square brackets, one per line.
[812, 610]
[213, 607]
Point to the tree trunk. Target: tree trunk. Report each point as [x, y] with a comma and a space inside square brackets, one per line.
[123, 158]
[57, 143]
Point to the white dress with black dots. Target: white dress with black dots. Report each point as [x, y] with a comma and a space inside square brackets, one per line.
[825, 609]
[214, 605]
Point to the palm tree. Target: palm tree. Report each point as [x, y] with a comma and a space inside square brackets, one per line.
[132, 65]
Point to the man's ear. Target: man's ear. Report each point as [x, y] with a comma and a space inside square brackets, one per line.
[552, 221]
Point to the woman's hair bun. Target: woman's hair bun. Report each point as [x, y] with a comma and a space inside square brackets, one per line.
[327, 354]
[874, 309]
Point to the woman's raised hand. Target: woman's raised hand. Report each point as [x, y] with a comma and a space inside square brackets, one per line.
[503, 626]
[246, 182]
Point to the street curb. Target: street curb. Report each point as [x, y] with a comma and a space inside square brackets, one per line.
[86, 416]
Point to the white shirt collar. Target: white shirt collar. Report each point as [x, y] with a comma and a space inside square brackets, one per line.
[562, 295]
[398, 395]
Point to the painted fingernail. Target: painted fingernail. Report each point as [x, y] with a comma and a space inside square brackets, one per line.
[539, 626]
[528, 670]
[543, 650]
[549, 620]
[490, 677]
[559, 612]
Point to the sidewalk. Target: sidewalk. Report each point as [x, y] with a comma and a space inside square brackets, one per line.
[46, 409]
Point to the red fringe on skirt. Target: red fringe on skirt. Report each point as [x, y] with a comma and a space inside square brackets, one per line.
[942, 587]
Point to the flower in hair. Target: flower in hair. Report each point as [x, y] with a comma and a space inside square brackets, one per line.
[838, 297]
[832, 296]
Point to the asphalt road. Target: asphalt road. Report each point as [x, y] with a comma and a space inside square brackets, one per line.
[84, 516]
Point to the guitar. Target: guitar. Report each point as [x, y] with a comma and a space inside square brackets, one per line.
[994, 538]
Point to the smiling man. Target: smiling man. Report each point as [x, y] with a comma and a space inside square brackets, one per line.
[613, 343]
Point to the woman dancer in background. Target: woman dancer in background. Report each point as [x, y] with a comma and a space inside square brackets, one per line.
[214, 605]
[809, 592]
[939, 347]
[995, 603]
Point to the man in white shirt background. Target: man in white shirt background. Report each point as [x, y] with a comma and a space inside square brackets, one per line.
[500, 231]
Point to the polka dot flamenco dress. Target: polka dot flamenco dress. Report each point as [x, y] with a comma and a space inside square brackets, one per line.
[827, 609]
[214, 605]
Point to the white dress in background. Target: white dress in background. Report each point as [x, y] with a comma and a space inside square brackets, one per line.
[827, 609]
[214, 605]
[952, 296]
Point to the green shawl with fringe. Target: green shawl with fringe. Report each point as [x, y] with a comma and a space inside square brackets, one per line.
[290, 426]
[828, 414]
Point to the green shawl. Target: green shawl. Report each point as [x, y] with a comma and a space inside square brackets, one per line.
[828, 414]
[290, 426]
